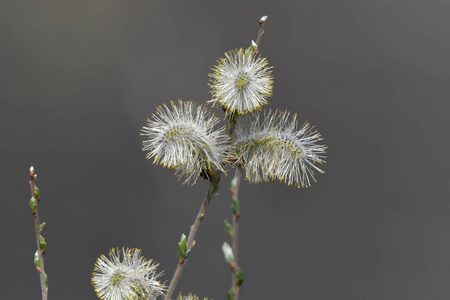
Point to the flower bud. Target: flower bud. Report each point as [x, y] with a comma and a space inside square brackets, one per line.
[262, 20]
[32, 172]
[228, 252]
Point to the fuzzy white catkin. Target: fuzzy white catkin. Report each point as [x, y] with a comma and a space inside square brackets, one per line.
[241, 81]
[271, 147]
[182, 138]
[126, 276]
[189, 297]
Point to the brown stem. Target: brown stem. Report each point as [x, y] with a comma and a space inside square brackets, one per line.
[235, 193]
[260, 35]
[236, 215]
[41, 269]
[194, 228]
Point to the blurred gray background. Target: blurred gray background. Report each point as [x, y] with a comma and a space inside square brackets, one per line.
[79, 78]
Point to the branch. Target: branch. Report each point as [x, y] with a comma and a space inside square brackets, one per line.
[213, 185]
[39, 240]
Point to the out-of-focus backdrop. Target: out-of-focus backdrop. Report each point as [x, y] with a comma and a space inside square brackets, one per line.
[79, 78]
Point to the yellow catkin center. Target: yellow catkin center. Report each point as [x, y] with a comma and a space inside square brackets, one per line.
[117, 277]
[241, 81]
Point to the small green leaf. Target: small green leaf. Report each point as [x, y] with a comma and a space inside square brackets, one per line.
[41, 227]
[230, 294]
[228, 228]
[36, 259]
[240, 277]
[43, 243]
[36, 192]
[235, 205]
[32, 204]
[46, 281]
[182, 246]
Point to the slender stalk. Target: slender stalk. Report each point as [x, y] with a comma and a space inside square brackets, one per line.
[260, 32]
[235, 193]
[194, 228]
[41, 269]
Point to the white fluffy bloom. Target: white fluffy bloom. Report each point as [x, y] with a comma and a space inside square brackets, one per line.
[133, 277]
[271, 147]
[227, 252]
[182, 138]
[189, 297]
[241, 81]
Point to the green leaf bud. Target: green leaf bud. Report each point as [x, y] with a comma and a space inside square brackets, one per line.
[32, 204]
[36, 192]
[41, 227]
[43, 244]
[230, 294]
[46, 281]
[240, 277]
[228, 229]
[235, 204]
[182, 246]
[36, 259]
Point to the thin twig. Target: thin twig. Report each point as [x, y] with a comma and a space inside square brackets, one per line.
[41, 269]
[235, 190]
[192, 233]
[236, 215]
[260, 32]
[260, 35]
